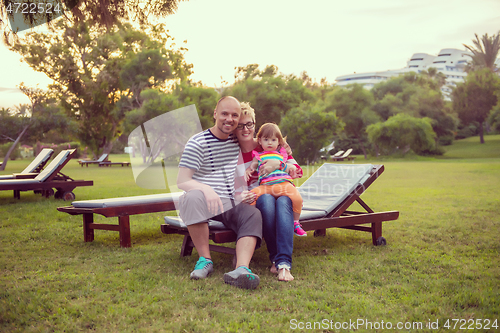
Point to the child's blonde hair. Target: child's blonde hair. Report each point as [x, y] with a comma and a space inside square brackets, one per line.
[268, 130]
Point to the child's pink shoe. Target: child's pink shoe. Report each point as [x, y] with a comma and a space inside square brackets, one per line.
[298, 231]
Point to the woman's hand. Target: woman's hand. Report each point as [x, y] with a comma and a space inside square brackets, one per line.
[247, 197]
[292, 170]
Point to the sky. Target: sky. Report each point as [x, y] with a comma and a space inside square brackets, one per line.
[325, 38]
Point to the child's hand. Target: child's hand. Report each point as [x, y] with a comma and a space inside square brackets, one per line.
[248, 173]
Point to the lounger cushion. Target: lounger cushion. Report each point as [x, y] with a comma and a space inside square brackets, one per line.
[18, 181]
[127, 201]
[331, 184]
[56, 162]
[177, 222]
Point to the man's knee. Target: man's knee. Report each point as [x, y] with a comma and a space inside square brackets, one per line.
[193, 197]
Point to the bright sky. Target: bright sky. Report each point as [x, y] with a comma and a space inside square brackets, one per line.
[326, 38]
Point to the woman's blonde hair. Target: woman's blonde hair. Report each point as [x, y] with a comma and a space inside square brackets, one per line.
[247, 110]
[268, 130]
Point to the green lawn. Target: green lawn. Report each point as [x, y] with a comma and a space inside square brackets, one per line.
[441, 261]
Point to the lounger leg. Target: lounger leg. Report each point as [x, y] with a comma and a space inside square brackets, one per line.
[124, 222]
[88, 234]
[187, 246]
[17, 194]
[376, 232]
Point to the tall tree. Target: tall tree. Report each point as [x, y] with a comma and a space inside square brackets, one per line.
[270, 94]
[485, 52]
[476, 96]
[308, 128]
[353, 106]
[93, 12]
[99, 75]
[36, 119]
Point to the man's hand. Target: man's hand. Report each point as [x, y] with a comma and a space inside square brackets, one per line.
[214, 203]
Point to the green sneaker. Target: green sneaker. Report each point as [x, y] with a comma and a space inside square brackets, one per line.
[242, 277]
[203, 268]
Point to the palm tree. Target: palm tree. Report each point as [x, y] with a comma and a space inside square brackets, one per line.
[485, 55]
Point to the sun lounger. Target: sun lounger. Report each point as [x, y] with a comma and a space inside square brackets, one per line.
[121, 208]
[106, 164]
[327, 195]
[34, 168]
[345, 156]
[322, 209]
[103, 158]
[49, 179]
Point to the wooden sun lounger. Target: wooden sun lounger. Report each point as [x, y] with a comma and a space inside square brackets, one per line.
[321, 210]
[114, 163]
[121, 208]
[49, 179]
[345, 156]
[34, 168]
[103, 158]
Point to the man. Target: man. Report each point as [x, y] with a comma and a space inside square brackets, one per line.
[206, 172]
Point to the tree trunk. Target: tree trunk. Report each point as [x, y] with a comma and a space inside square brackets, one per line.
[4, 164]
[481, 134]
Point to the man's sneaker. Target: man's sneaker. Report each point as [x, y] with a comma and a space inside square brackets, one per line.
[242, 277]
[297, 230]
[202, 269]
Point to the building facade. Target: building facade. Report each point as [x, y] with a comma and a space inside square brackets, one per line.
[450, 62]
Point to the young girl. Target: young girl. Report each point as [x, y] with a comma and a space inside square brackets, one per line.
[278, 182]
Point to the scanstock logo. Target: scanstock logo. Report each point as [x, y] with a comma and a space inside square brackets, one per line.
[27, 14]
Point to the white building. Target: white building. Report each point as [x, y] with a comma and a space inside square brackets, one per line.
[450, 62]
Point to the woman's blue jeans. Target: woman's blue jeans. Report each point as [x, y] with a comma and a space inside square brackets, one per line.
[277, 228]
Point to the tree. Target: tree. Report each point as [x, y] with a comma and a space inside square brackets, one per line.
[39, 118]
[99, 75]
[353, 106]
[485, 55]
[402, 132]
[476, 96]
[271, 94]
[418, 95]
[94, 12]
[308, 128]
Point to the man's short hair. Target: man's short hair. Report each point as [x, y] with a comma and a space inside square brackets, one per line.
[247, 110]
[223, 98]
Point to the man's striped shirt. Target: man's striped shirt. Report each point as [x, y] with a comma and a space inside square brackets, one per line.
[214, 161]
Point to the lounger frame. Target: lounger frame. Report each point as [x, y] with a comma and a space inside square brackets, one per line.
[338, 218]
[64, 185]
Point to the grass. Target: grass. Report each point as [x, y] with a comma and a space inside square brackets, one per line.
[441, 261]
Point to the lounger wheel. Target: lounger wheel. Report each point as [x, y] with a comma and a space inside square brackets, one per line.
[381, 241]
[48, 193]
[68, 196]
[59, 194]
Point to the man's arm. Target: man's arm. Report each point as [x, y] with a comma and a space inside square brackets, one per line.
[186, 183]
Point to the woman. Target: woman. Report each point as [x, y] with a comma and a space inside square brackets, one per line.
[277, 214]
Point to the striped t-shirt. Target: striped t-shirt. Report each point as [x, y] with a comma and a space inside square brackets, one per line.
[214, 161]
